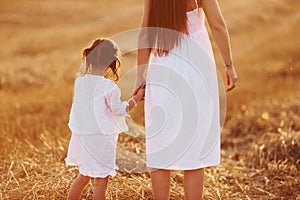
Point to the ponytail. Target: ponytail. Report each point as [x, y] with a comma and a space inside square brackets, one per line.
[114, 66]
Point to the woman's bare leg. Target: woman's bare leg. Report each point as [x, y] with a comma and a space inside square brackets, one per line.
[77, 187]
[193, 184]
[161, 180]
[100, 185]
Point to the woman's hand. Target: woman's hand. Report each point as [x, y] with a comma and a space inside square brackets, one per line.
[232, 78]
[140, 94]
[140, 82]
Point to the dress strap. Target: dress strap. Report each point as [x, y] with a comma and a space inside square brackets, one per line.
[196, 1]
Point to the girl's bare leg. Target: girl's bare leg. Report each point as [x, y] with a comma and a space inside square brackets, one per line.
[77, 187]
[100, 185]
[193, 184]
[161, 180]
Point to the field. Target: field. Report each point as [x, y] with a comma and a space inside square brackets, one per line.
[41, 44]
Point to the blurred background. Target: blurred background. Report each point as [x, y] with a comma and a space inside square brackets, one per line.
[41, 46]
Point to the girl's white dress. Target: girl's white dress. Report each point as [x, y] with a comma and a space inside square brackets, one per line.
[96, 118]
[182, 103]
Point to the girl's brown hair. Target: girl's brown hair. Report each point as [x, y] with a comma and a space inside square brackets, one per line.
[170, 21]
[102, 53]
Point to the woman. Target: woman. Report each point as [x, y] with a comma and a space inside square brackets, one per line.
[177, 132]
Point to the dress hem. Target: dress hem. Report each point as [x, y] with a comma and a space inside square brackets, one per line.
[90, 174]
[183, 168]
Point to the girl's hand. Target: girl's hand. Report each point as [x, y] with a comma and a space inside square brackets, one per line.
[139, 96]
[232, 78]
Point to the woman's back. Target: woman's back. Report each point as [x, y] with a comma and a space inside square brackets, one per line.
[184, 85]
[196, 20]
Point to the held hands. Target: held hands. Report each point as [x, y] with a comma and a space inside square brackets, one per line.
[231, 77]
[139, 93]
[137, 97]
[140, 83]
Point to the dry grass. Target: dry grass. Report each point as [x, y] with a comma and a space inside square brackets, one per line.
[260, 157]
[41, 43]
[265, 142]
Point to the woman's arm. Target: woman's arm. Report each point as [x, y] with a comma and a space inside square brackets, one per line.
[143, 47]
[220, 32]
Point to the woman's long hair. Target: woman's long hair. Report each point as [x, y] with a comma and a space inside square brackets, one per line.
[169, 19]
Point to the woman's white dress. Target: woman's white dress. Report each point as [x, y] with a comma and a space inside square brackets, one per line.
[182, 103]
[96, 118]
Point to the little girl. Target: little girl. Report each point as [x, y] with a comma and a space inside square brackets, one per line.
[96, 118]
